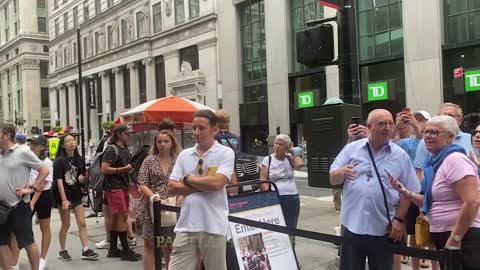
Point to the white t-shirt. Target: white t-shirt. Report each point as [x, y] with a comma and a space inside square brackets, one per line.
[281, 173]
[49, 179]
[204, 211]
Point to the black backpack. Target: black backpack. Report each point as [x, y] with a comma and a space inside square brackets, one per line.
[137, 160]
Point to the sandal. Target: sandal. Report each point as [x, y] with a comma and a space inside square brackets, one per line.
[404, 260]
[424, 264]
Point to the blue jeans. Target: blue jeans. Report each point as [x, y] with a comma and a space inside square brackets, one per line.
[291, 209]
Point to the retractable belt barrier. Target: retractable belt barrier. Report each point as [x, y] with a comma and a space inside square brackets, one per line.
[449, 259]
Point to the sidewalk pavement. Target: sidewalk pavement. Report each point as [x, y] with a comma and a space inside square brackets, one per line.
[316, 214]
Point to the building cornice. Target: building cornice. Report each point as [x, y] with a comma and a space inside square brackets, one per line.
[23, 38]
[18, 59]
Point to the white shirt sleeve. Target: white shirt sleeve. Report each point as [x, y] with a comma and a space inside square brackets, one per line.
[227, 162]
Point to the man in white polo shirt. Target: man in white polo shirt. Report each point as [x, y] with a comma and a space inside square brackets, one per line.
[200, 176]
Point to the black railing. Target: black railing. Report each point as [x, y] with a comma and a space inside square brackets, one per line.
[449, 259]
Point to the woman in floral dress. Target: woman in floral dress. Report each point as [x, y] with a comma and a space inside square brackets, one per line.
[153, 180]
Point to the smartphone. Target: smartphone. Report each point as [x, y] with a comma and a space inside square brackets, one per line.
[407, 111]
[356, 121]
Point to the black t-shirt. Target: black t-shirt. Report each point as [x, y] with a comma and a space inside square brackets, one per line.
[116, 181]
[233, 139]
[69, 169]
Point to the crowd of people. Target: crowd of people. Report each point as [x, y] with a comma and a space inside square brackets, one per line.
[395, 171]
[392, 172]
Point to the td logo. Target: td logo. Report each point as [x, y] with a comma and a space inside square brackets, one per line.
[305, 100]
[472, 80]
[378, 91]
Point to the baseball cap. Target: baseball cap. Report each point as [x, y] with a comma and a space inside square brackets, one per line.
[38, 139]
[122, 128]
[20, 137]
[425, 114]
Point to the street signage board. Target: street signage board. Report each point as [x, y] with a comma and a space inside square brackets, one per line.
[378, 91]
[472, 80]
[305, 99]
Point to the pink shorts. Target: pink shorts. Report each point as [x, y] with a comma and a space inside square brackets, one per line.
[117, 200]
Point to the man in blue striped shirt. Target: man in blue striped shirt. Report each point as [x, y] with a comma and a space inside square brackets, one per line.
[363, 215]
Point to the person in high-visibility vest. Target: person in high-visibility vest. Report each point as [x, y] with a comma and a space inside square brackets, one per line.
[53, 147]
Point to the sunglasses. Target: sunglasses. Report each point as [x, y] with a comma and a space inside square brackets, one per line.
[474, 132]
[200, 166]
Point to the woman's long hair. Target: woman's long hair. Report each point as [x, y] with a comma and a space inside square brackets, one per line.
[175, 147]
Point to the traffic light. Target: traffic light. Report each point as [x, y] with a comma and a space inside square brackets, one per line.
[315, 45]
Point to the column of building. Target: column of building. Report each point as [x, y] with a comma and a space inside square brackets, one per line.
[72, 105]
[105, 95]
[120, 93]
[171, 60]
[31, 92]
[134, 89]
[63, 105]
[150, 77]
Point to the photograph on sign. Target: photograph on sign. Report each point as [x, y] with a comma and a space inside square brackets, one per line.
[254, 254]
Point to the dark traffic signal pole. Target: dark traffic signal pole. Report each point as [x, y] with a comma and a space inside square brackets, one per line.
[80, 92]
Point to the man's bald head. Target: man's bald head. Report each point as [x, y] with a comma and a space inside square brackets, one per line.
[377, 114]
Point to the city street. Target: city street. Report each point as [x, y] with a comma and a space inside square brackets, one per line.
[317, 214]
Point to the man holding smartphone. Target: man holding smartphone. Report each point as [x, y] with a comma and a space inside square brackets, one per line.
[361, 167]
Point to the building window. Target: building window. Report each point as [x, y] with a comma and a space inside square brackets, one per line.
[8, 77]
[302, 12]
[462, 20]
[98, 84]
[45, 100]
[109, 3]
[140, 24]
[43, 70]
[126, 87]
[7, 35]
[55, 4]
[7, 57]
[17, 51]
[65, 56]
[18, 73]
[85, 50]
[160, 83]
[380, 29]
[75, 17]
[65, 22]
[41, 4]
[97, 43]
[113, 101]
[16, 28]
[142, 83]
[157, 17]
[42, 24]
[254, 61]
[65, 1]
[86, 11]
[110, 37]
[124, 29]
[45, 48]
[75, 52]
[190, 55]
[5, 12]
[98, 7]
[194, 8]
[19, 100]
[179, 11]
[57, 27]
[10, 101]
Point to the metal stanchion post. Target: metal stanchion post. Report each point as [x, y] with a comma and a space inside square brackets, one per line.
[158, 242]
[452, 259]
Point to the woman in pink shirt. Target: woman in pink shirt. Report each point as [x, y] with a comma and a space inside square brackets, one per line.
[450, 192]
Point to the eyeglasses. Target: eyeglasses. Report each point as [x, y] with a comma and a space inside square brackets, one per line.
[384, 124]
[451, 115]
[432, 132]
[200, 166]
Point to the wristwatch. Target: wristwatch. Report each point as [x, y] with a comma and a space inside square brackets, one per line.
[457, 238]
[185, 181]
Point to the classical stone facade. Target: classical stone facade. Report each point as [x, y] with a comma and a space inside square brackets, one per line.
[24, 64]
[132, 51]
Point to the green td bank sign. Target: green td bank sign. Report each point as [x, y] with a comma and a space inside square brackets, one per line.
[472, 80]
[305, 99]
[378, 91]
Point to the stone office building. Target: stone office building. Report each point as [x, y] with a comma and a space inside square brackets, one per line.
[24, 64]
[132, 51]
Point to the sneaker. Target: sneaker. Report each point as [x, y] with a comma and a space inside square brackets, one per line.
[131, 256]
[104, 244]
[89, 255]
[64, 256]
[114, 253]
[43, 264]
[132, 241]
